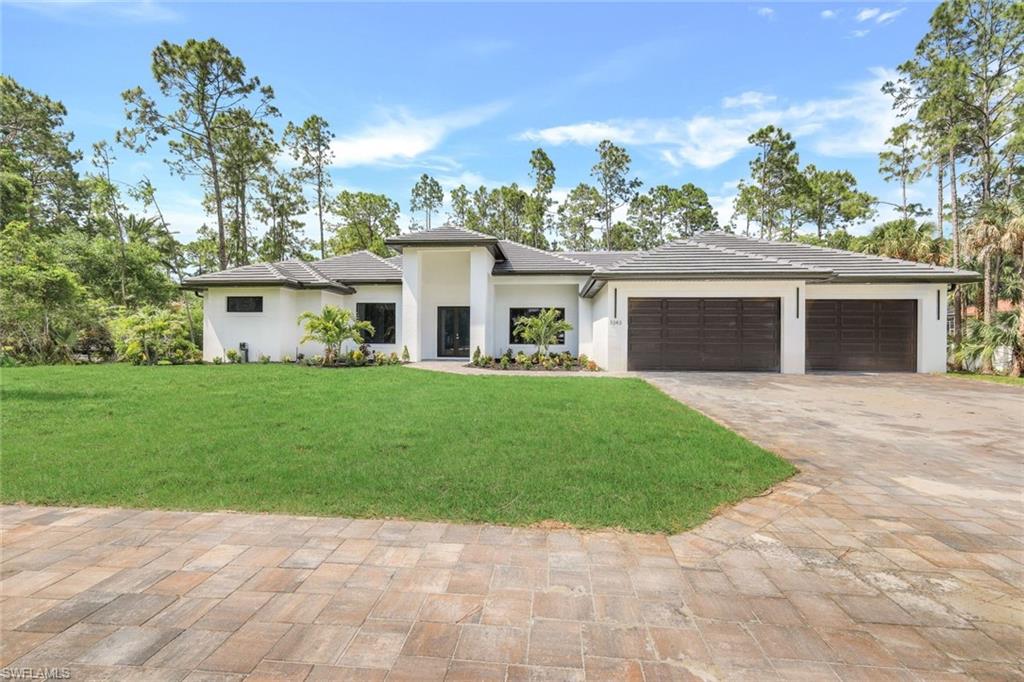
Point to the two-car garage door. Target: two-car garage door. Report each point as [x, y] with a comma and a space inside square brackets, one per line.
[704, 334]
[862, 335]
[743, 334]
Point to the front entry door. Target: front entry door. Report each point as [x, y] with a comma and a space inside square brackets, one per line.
[453, 332]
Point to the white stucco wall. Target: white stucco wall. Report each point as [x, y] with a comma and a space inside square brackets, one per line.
[611, 330]
[931, 314]
[527, 292]
[444, 282]
[275, 332]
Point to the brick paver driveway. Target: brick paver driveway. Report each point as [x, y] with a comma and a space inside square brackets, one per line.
[895, 554]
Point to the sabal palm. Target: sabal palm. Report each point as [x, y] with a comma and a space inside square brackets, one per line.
[542, 329]
[1012, 241]
[905, 239]
[333, 327]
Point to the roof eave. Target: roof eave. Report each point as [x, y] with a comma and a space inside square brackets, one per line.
[545, 273]
[923, 278]
[199, 286]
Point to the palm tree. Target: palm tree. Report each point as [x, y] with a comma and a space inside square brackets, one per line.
[983, 340]
[1013, 242]
[905, 239]
[333, 327]
[542, 329]
[983, 239]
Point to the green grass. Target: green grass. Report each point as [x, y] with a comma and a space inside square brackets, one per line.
[994, 378]
[372, 442]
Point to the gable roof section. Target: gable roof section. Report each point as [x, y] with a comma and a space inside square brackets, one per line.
[687, 259]
[361, 267]
[600, 259]
[527, 260]
[846, 266]
[446, 235]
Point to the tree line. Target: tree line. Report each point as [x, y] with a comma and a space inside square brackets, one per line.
[82, 252]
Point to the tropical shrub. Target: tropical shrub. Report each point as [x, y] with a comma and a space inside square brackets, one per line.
[542, 329]
[982, 343]
[393, 358]
[405, 353]
[217, 360]
[333, 327]
[264, 359]
[233, 357]
[150, 334]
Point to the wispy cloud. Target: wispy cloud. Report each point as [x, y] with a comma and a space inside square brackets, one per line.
[856, 122]
[859, 33]
[766, 12]
[828, 14]
[400, 136]
[750, 98]
[140, 11]
[868, 13]
[886, 17]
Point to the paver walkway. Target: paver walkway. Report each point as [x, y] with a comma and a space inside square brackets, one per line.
[896, 554]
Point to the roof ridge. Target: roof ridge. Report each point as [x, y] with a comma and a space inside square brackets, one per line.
[277, 271]
[315, 271]
[382, 259]
[829, 249]
[555, 254]
[767, 259]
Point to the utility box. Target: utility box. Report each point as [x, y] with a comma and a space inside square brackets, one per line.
[243, 351]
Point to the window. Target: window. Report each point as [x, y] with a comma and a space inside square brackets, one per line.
[245, 304]
[382, 317]
[515, 313]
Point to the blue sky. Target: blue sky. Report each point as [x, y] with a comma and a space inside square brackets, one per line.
[465, 91]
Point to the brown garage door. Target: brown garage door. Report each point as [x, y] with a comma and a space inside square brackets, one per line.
[862, 336]
[704, 334]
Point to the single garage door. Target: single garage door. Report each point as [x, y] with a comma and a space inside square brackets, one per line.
[704, 334]
[861, 335]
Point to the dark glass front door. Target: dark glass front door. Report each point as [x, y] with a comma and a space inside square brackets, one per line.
[453, 332]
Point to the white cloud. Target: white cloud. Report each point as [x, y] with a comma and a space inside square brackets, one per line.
[868, 13]
[886, 17]
[750, 98]
[767, 12]
[855, 122]
[859, 33]
[140, 11]
[828, 14]
[401, 137]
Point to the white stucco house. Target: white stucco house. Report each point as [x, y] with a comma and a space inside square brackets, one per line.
[711, 302]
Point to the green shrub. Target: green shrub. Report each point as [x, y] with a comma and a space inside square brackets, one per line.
[286, 359]
[522, 358]
[405, 353]
[393, 358]
[217, 360]
[356, 357]
[504, 362]
[233, 356]
[264, 359]
[476, 356]
[150, 334]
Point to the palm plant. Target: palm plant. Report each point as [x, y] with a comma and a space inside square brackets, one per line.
[983, 340]
[542, 329]
[983, 238]
[905, 239]
[333, 327]
[1013, 242]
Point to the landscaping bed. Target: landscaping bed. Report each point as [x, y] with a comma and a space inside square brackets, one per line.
[371, 442]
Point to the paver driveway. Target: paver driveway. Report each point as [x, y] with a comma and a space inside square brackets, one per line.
[896, 553]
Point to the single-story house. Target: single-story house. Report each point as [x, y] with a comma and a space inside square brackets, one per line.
[709, 302]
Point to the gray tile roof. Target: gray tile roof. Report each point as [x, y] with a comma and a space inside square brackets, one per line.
[600, 259]
[441, 236]
[526, 260]
[846, 266]
[359, 267]
[687, 259]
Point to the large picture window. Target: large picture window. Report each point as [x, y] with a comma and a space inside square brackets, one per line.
[515, 313]
[245, 304]
[382, 317]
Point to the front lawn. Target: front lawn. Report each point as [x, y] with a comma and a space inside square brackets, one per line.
[994, 378]
[373, 442]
